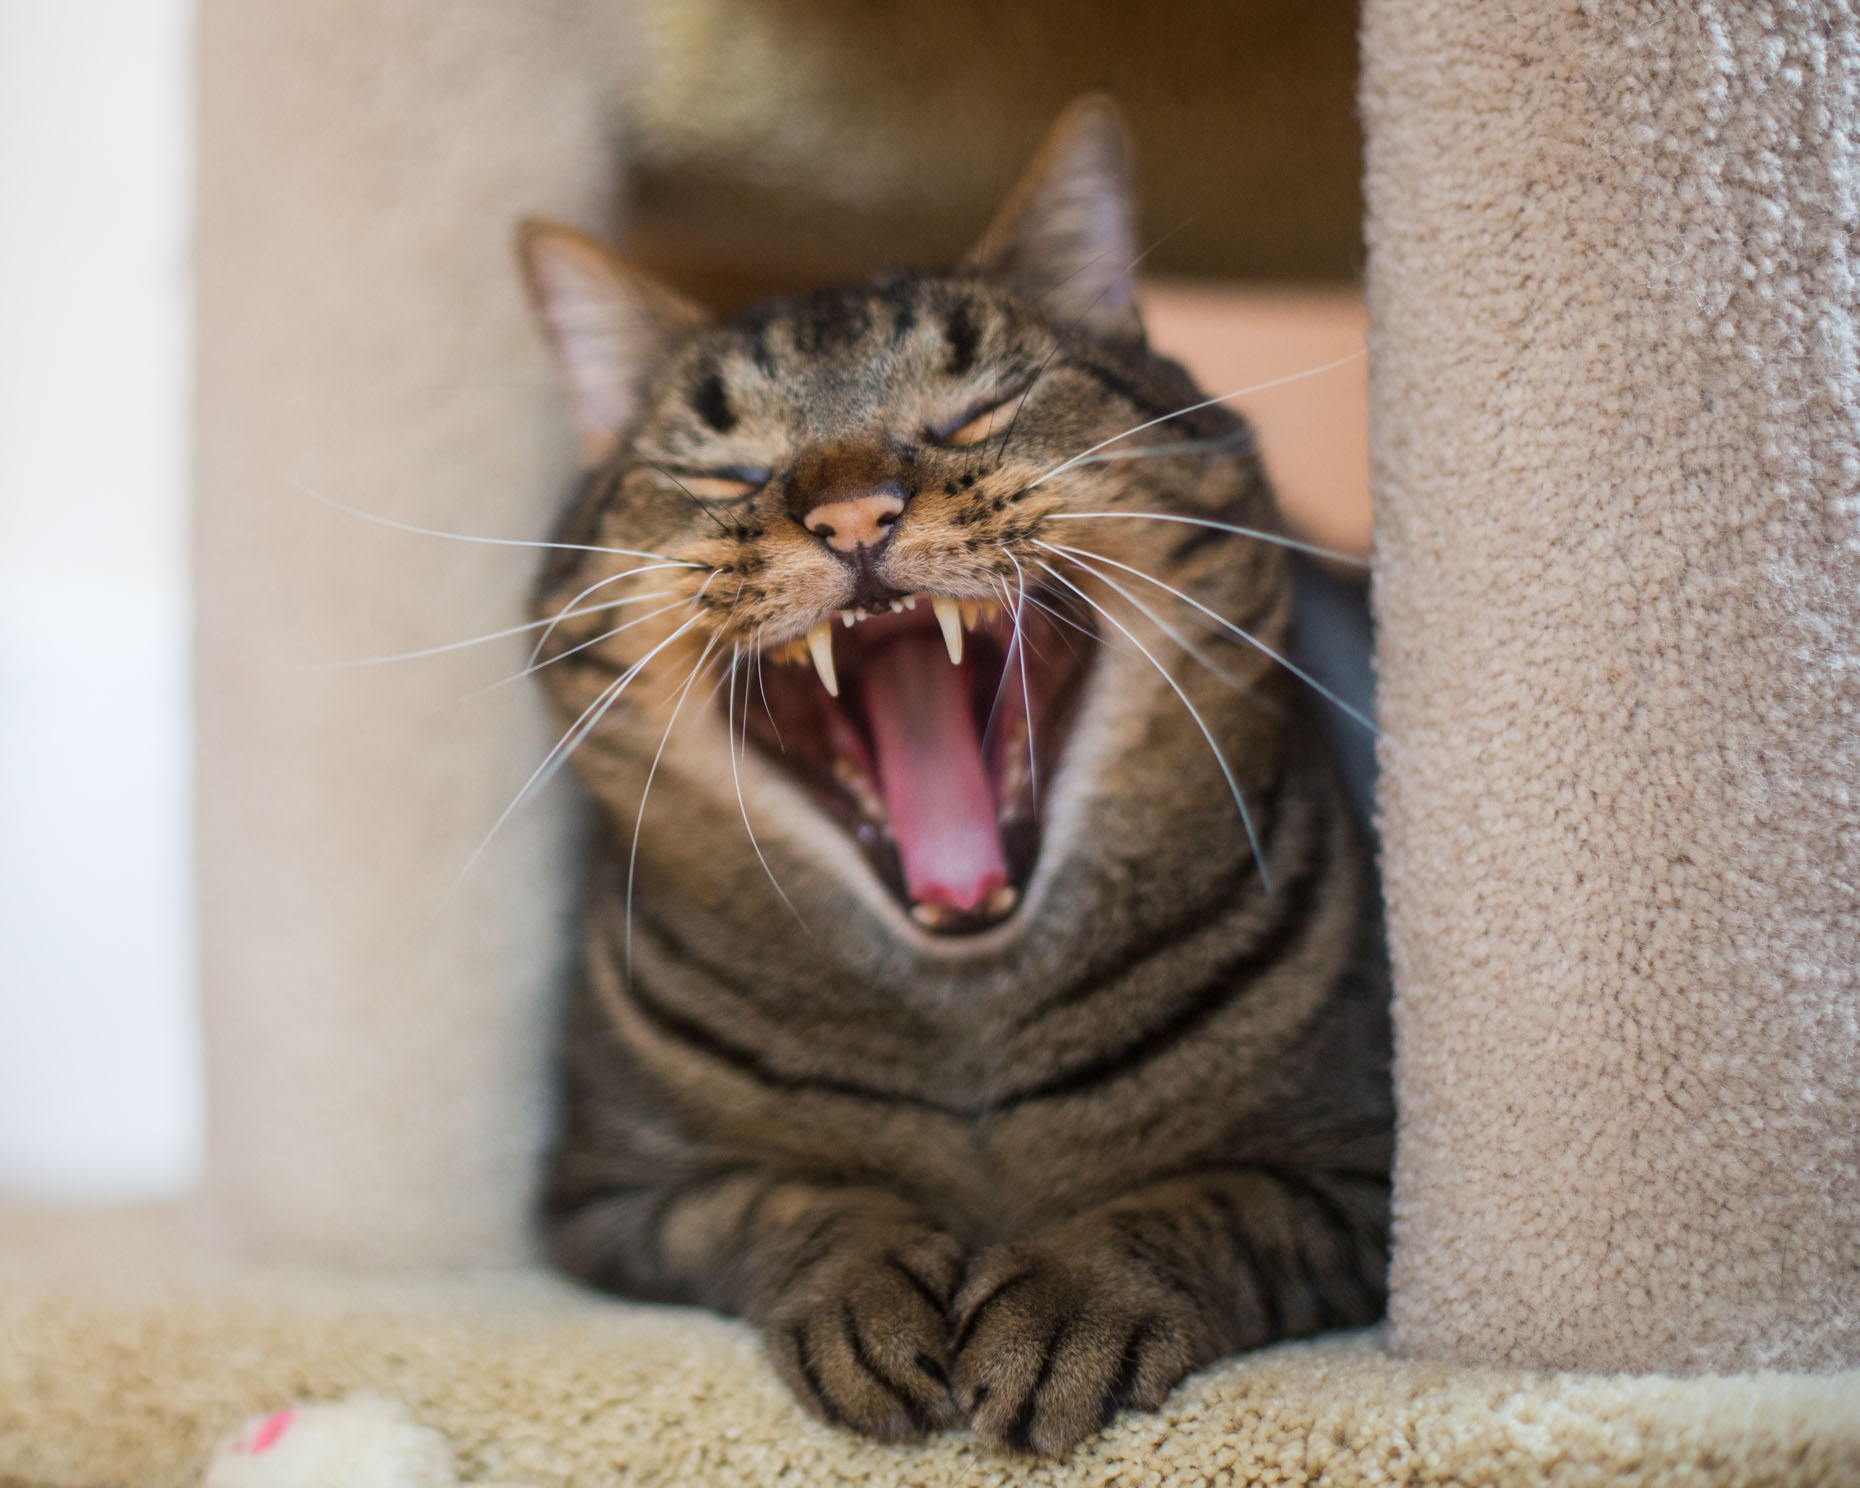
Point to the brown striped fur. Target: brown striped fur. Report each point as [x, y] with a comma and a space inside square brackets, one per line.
[1020, 1178]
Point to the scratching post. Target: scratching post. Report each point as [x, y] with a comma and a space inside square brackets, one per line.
[1614, 407]
[377, 1025]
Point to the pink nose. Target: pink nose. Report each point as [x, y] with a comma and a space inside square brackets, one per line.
[857, 522]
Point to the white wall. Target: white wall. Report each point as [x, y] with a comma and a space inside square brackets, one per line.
[99, 1053]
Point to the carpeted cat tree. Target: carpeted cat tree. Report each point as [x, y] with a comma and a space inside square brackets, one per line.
[1615, 353]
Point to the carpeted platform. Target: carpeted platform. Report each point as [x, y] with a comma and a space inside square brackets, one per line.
[124, 1356]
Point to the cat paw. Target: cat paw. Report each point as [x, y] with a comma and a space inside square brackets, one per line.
[1051, 1340]
[862, 1337]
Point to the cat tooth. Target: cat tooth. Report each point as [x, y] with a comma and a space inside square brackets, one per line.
[853, 780]
[846, 619]
[910, 601]
[1002, 900]
[930, 916]
[820, 645]
[971, 613]
[949, 616]
[897, 607]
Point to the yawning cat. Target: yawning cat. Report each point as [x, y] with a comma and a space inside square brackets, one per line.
[982, 983]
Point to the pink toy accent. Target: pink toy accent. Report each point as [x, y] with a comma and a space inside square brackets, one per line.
[265, 1435]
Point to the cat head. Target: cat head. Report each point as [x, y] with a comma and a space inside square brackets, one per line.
[901, 598]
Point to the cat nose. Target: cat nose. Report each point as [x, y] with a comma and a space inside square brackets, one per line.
[855, 522]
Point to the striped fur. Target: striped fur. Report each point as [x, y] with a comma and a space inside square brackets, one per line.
[1022, 1178]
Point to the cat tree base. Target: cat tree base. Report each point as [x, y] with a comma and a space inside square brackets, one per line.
[124, 1362]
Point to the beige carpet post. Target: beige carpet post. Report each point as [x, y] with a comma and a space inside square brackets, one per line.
[378, 1016]
[1615, 395]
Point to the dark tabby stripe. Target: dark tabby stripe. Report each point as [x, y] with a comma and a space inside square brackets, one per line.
[963, 337]
[712, 402]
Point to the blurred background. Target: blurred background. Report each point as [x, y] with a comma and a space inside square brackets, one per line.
[767, 144]
[99, 1051]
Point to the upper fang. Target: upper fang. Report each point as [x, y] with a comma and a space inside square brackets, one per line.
[949, 617]
[820, 646]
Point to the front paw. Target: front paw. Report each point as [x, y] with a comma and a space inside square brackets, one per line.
[862, 1335]
[1052, 1337]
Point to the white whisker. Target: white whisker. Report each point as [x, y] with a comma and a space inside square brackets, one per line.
[736, 775]
[563, 614]
[1068, 621]
[1158, 451]
[1242, 392]
[606, 635]
[1241, 631]
[567, 744]
[632, 860]
[1246, 817]
[496, 635]
[1026, 698]
[1138, 605]
[780, 743]
[467, 537]
[1255, 532]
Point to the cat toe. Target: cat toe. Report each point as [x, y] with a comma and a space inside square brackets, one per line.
[865, 1344]
[1047, 1350]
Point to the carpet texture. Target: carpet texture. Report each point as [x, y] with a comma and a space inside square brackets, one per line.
[1615, 414]
[122, 1362]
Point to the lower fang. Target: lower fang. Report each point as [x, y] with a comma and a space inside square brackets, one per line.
[1002, 901]
[930, 916]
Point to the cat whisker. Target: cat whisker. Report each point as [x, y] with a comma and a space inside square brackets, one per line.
[568, 743]
[606, 635]
[729, 743]
[1020, 653]
[1241, 392]
[1066, 620]
[470, 537]
[563, 614]
[1278, 539]
[632, 860]
[1221, 620]
[762, 688]
[1246, 816]
[1214, 668]
[496, 635]
[1001, 683]
[1238, 439]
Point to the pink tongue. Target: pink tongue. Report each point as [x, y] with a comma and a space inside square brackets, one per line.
[930, 769]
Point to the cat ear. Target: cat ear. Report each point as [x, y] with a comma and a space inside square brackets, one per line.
[1066, 234]
[607, 324]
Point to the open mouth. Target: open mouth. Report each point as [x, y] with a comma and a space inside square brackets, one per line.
[930, 732]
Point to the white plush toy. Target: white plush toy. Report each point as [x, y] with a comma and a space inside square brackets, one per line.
[362, 1442]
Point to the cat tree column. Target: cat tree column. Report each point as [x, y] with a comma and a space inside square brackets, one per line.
[1616, 428]
[378, 1024]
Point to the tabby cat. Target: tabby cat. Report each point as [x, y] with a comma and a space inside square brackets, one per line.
[982, 984]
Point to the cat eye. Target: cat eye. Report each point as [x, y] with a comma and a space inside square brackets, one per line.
[982, 423]
[733, 483]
